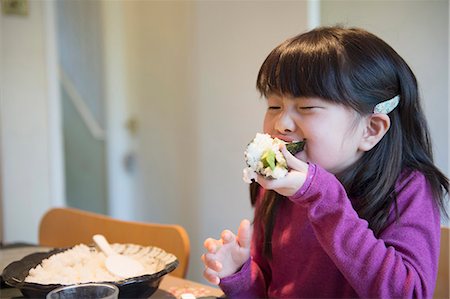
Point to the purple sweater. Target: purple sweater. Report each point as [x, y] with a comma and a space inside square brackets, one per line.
[322, 249]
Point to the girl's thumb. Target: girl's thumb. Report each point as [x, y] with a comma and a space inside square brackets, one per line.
[292, 161]
[245, 234]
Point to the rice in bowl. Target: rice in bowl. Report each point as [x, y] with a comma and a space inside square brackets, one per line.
[82, 264]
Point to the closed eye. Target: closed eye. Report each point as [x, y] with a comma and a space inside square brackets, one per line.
[308, 107]
[274, 107]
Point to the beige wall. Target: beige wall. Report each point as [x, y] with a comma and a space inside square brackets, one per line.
[29, 155]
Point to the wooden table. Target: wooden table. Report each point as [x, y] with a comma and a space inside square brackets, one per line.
[170, 288]
[173, 287]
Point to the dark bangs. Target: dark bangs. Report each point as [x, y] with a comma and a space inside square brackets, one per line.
[308, 65]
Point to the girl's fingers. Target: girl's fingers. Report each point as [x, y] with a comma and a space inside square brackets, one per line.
[269, 184]
[227, 237]
[210, 262]
[292, 161]
[245, 234]
[212, 245]
[294, 177]
[211, 276]
[287, 185]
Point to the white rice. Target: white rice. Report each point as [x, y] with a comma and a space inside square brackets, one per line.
[261, 144]
[82, 264]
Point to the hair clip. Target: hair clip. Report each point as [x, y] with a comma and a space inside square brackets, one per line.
[387, 106]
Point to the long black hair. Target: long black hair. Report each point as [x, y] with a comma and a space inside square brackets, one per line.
[355, 68]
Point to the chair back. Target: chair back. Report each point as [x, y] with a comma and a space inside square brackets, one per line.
[443, 280]
[66, 227]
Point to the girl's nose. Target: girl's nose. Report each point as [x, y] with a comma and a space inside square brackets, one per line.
[285, 123]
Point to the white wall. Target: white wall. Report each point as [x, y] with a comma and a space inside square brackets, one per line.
[30, 153]
[121, 184]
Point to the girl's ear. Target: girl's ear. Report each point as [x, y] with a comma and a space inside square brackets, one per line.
[377, 125]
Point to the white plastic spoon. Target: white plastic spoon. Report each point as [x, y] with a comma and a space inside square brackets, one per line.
[118, 264]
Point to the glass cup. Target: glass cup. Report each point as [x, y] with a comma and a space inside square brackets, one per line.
[85, 291]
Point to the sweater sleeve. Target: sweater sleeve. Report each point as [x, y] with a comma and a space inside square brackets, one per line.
[252, 279]
[401, 262]
[246, 283]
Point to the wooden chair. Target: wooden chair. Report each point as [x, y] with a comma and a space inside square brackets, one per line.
[65, 227]
[443, 280]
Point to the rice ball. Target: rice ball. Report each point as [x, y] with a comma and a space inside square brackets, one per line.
[263, 156]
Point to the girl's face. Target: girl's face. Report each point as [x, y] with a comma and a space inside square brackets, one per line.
[333, 132]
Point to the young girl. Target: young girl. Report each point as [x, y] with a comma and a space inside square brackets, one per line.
[358, 214]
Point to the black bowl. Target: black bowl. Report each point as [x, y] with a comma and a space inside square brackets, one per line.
[136, 287]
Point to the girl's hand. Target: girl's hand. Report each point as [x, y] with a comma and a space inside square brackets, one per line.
[294, 179]
[227, 255]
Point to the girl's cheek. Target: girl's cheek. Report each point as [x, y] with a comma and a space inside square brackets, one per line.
[312, 154]
[267, 128]
[304, 155]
